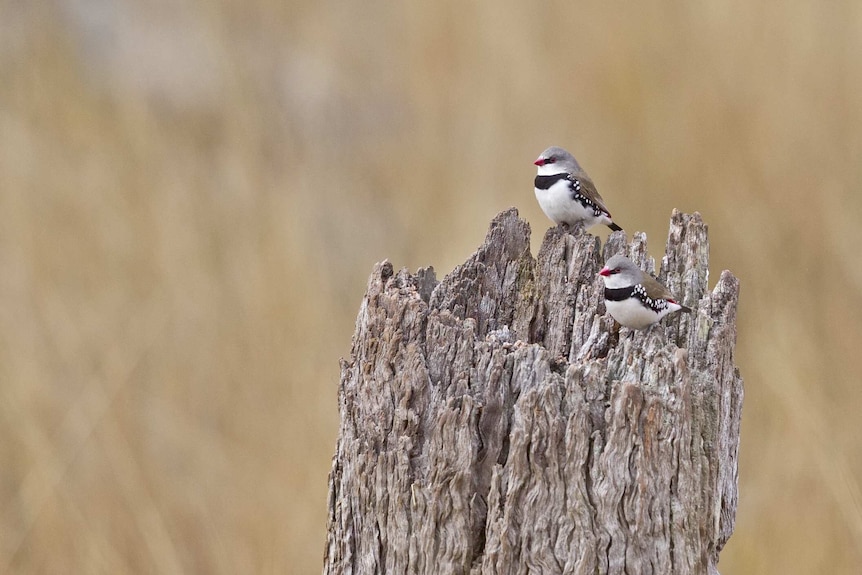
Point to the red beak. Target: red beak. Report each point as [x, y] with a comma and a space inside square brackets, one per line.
[605, 272]
[540, 162]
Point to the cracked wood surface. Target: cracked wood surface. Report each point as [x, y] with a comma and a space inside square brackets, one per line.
[499, 422]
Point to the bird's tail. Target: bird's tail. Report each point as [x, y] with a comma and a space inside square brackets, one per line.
[614, 227]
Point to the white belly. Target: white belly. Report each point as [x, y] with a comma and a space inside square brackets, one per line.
[631, 313]
[557, 203]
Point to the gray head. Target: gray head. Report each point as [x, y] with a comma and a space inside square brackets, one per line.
[558, 159]
[621, 272]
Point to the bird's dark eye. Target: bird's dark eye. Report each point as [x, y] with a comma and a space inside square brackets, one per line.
[550, 160]
[615, 271]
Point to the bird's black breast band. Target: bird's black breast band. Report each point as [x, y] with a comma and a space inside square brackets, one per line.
[545, 182]
[619, 294]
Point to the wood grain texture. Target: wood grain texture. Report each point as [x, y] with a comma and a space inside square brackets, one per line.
[499, 422]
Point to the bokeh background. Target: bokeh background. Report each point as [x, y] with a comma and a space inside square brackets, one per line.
[193, 193]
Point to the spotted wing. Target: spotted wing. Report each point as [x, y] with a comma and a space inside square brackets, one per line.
[584, 187]
[656, 291]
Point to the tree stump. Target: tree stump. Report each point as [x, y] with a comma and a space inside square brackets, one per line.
[500, 422]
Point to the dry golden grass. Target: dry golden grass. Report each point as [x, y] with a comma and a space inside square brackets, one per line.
[191, 199]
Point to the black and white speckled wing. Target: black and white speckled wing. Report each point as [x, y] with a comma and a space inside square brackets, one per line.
[656, 292]
[585, 192]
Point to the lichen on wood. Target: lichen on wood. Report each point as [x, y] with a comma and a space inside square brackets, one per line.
[500, 422]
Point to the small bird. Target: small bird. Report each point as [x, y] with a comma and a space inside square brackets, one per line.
[566, 193]
[633, 297]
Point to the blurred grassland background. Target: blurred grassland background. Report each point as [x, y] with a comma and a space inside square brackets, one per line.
[192, 195]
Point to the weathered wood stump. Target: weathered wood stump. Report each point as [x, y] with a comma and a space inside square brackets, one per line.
[499, 422]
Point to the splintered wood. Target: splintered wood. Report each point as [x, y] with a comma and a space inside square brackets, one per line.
[500, 422]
